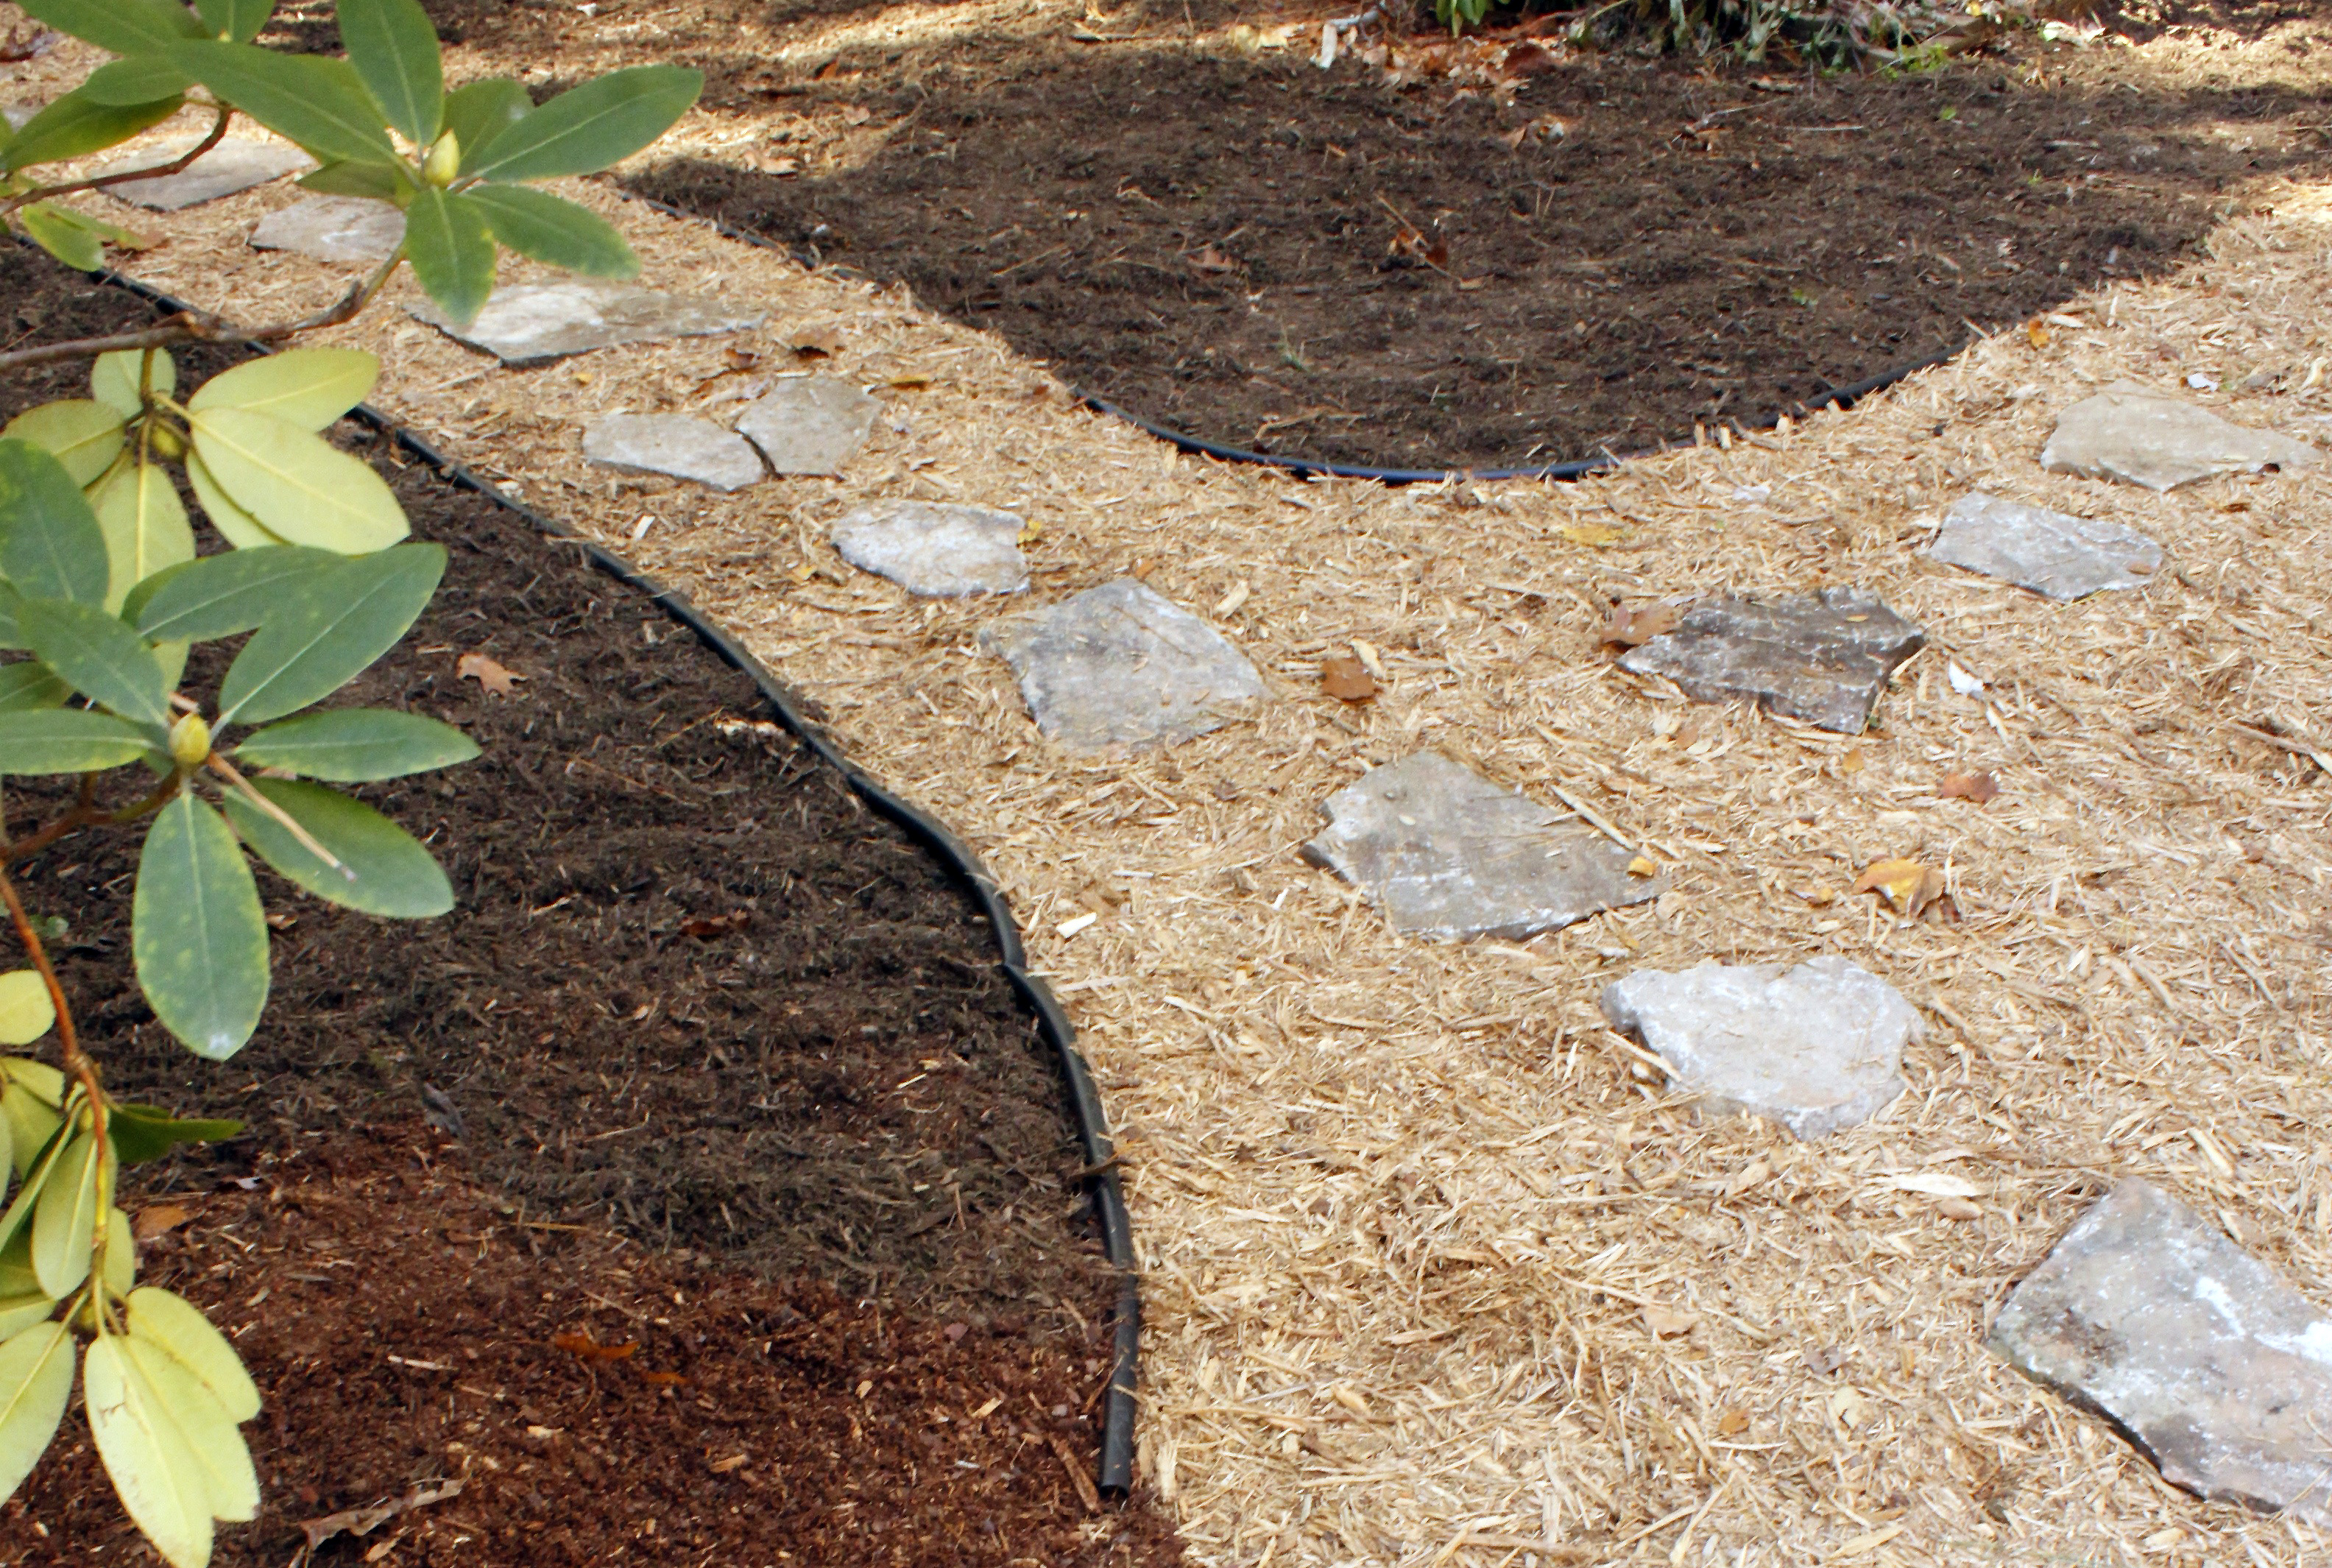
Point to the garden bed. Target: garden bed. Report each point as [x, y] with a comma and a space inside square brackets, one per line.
[1205, 230]
[703, 1030]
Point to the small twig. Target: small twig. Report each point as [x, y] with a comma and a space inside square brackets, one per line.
[99, 182]
[86, 815]
[201, 326]
[227, 770]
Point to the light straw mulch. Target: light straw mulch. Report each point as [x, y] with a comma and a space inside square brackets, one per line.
[1435, 1268]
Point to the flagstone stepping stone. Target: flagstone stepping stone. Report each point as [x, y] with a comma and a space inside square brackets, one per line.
[2219, 1370]
[2140, 436]
[939, 551]
[2062, 557]
[1823, 658]
[17, 114]
[1817, 1047]
[675, 444]
[809, 424]
[235, 164]
[1118, 666]
[1446, 852]
[530, 323]
[333, 229]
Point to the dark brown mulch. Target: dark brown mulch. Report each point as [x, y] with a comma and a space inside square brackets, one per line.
[405, 1331]
[694, 996]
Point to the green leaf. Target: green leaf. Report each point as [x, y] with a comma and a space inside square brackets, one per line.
[66, 740]
[77, 124]
[384, 870]
[332, 626]
[319, 103]
[385, 182]
[229, 1481]
[50, 544]
[239, 20]
[584, 131]
[105, 660]
[395, 49]
[47, 227]
[82, 433]
[10, 603]
[145, 526]
[35, 1385]
[23, 1302]
[198, 932]
[221, 596]
[482, 111]
[357, 745]
[119, 27]
[65, 219]
[27, 684]
[142, 1133]
[298, 486]
[113, 380]
[551, 229]
[26, 1013]
[177, 1325]
[17, 1220]
[28, 1105]
[118, 1268]
[451, 253]
[234, 525]
[64, 1221]
[126, 83]
[309, 388]
[162, 1486]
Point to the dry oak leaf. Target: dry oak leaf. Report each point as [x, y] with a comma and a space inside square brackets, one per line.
[488, 673]
[583, 1347]
[1979, 788]
[1634, 628]
[1346, 679]
[159, 1220]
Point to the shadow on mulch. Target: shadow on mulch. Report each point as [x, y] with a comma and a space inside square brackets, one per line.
[698, 1015]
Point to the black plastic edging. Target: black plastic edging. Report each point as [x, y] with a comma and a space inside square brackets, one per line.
[1844, 397]
[1107, 1193]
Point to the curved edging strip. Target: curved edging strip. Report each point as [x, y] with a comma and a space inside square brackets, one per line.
[1844, 397]
[1102, 1186]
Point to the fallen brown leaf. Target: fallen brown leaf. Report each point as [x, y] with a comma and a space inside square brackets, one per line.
[2036, 334]
[662, 1380]
[816, 342]
[1908, 885]
[494, 676]
[159, 1220]
[583, 1347]
[1731, 1424]
[1668, 1322]
[707, 927]
[1346, 679]
[365, 1521]
[1634, 628]
[1207, 259]
[732, 1463]
[1979, 788]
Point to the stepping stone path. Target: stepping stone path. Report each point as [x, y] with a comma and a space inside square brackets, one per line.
[530, 323]
[1446, 852]
[1118, 666]
[939, 551]
[675, 445]
[2065, 558]
[2143, 438]
[234, 165]
[1823, 658]
[2219, 1371]
[333, 229]
[1817, 1049]
[809, 424]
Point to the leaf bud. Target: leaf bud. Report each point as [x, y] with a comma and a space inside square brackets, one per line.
[168, 442]
[190, 741]
[443, 162]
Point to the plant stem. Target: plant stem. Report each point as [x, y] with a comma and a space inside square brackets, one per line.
[84, 814]
[99, 182]
[202, 327]
[77, 1062]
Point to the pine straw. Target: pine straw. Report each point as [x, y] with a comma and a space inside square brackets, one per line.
[1408, 1210]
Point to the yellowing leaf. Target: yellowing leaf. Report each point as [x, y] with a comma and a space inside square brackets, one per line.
[145, 526]
[113, 380]
[298, 486]
[165, 1490]
[64, 1221]
[309, 388]
[234, 525]
[35, 1383]
[179, 1327]
[1642, 866]
[80, 433]
[25, 1011]
[228, 1479]
[1897, 879]
[1595, 535]
[120, 1254]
